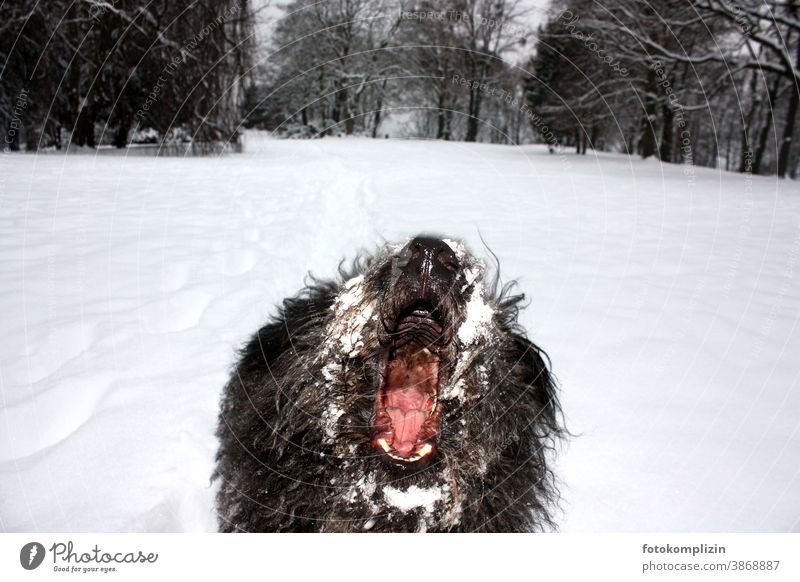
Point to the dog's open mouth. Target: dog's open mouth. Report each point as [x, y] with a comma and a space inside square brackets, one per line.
[413, 368]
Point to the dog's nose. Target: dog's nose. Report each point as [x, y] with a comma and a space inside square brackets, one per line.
[431, 261]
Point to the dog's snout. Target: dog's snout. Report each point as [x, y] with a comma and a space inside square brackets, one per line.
[430, 260]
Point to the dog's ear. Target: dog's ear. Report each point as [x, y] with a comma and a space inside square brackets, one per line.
[531, 367]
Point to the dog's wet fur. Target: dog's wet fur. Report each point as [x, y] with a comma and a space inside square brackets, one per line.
[402, 397]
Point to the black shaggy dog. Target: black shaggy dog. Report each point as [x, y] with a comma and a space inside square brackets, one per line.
[404, 398]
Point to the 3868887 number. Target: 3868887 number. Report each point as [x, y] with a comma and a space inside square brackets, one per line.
[754, 565]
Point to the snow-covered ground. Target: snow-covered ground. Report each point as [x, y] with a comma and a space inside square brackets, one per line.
[668, 303]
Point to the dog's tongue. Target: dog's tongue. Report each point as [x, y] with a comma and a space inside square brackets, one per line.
[411, 386]
[406, 428]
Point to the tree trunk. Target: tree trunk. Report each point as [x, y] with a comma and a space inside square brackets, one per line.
[378, 108]
[714, 161]
[788, 134]
[376, 121]
[788, 130]
[32, 137]
[440, 114]
[728, 145]
[648, 144]
[688, 150]
[769, 120]
[323, 106]
[346, 112]
[325, 130]
[594, 138]
[343, 108]
[336, 114]
[667, 149]
[745, 163]
[84, 129]
[630, 139]
[122, 131]
[12, 138]
[474, 115]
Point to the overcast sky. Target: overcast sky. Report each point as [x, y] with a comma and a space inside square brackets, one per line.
[270, 10]
[536, 8]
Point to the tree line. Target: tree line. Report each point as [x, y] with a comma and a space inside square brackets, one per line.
[709, 82]
[91, 72]
[706, 82]
[342, 66]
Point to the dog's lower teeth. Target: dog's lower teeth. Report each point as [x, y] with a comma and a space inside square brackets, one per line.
[423, 451]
